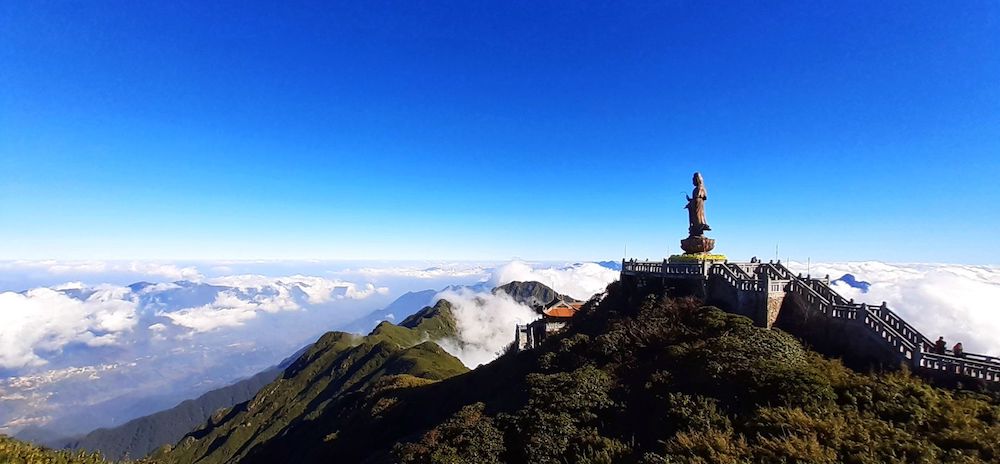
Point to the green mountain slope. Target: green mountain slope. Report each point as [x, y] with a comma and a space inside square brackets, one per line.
[337, 365]
[635, 378]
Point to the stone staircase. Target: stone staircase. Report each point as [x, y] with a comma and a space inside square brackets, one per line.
[766, 282]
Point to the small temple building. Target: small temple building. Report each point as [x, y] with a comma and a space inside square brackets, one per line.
[555, 315]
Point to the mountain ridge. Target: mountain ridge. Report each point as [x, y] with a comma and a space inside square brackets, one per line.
[646, 378]
[532, 294]
[338, 365]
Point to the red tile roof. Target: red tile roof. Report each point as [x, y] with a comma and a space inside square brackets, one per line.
[562, 309]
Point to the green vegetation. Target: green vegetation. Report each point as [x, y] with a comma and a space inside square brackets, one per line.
[337, 366]
[695, 258]
[635, 378]
[661, 381]
[14, 451]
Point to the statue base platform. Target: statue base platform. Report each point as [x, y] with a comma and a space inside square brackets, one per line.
[697, 244]
[696, 258]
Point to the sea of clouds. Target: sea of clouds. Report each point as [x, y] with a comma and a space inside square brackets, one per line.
[87, 344]
[105, 337]
[959, 302]
[486, 321]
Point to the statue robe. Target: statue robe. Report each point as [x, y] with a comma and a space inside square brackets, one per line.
[696, 207]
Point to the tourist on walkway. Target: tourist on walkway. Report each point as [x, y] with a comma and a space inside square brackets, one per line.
[940, 346]
[958, 350]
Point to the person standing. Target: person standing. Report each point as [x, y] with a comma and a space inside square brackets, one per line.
[940, 346]
[958, 350]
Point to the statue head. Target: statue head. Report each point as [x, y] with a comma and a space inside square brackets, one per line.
[697, 179]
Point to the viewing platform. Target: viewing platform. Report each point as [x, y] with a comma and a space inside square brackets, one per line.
[812, 309]
[665, 269]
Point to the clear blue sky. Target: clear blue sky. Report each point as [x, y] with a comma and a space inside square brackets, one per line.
[482, 130]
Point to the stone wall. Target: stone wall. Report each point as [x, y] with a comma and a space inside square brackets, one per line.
[846, 339]
[753, 304]
[775, 300]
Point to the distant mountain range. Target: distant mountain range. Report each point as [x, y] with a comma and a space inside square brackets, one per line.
[852, 281]
[138, 437]
[159, 343]
[400, 308]
[531, 294]
[526, 293]
[613, 265]
[334, 376]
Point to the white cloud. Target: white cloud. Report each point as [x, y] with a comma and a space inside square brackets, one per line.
[37, 324]
[164, 271]
[77, 285]
[960, 302]
[229, 310]
[317, 289]
[486, 324]
[250, 294]
[580, 281]
[157, 288]
[43, 320]
[197, 332]
[437, 272]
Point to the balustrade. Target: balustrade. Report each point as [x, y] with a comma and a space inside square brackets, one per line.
[819, 297]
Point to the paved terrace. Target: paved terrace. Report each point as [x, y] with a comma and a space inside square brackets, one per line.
[820, 299]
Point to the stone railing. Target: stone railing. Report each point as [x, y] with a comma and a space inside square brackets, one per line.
[814, 300]
[744, 270]
[823, 289]
[662, 268]
[775, 271]
[895, 332]
[820, 298]
[846, 311]
[727, 273]
[890, 320]
[973, 366]
[650, 267]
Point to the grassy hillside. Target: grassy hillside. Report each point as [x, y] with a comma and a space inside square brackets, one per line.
[337, 365]
[14, 451]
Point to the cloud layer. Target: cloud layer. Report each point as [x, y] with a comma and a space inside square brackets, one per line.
[190, 326]
[485, 324]
[43, 321]
[580, 280]
[960, 302]
[75, 356]
[36, 325]
[166, 271]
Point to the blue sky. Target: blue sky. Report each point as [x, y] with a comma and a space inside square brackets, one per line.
[491, 130]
